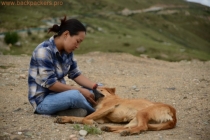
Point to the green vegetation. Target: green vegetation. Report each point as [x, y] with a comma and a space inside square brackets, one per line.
[5, 67]
[11, 38]
[90, 129]
[180, 30]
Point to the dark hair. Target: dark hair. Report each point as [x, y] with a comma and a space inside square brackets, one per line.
[72, 25]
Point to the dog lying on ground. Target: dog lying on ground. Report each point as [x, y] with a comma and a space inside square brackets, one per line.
[140, 114]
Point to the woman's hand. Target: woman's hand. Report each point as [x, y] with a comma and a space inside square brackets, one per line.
[89, 96]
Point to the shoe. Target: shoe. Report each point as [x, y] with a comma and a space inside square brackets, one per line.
[77, 112]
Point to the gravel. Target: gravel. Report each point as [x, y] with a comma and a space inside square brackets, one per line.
[184, 85]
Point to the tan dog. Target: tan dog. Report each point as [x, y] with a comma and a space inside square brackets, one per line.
[141, 114]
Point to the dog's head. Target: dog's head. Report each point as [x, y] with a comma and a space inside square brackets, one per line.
[103, 92]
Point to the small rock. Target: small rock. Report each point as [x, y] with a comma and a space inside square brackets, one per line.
[134, 87]
[83, 132]
[19, 133]
[72, 137]
[29, 134]
[5, 134]
[100, 29]
[143, 56]
[22, 76]
[171, 88]
[81, 138]
[206, 123]
[16, 137]
[25, 103]
[89, 61]
[141, 49]
[17, 110]
[39, 134]
[18, 44]
[126, 12]
[90, 30]
[185, 97]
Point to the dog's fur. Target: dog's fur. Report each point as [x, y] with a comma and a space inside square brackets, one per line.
[140, 114]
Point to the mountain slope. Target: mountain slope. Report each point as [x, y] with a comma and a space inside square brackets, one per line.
[166, 30]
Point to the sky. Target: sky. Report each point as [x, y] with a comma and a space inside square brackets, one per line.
[203, 2]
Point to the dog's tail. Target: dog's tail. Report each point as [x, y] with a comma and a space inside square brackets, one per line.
[165, 118]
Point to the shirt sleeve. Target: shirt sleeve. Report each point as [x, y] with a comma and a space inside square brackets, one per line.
[46, 76]
[74, 70]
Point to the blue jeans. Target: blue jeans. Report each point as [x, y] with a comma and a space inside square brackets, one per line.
[70, 99]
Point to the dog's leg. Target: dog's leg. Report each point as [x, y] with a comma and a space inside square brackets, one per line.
[98, 114]
[142, 119]
[162, 114]
[119, 129]
[112, 128]
[68, 119]
[90, 119]
[102, 120]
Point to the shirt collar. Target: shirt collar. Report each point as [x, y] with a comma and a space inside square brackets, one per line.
[55, 49]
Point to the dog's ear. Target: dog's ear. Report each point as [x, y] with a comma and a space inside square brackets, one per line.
[111, 90]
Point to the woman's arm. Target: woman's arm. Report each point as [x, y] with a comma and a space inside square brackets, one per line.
[60, 87]
[85, 82]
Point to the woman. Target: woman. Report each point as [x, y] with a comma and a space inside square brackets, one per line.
[51, 61]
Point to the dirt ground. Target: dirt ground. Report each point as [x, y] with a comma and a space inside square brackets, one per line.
[184, 85]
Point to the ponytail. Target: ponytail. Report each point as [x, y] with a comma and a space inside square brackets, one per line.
[55, 28]
[71, 25]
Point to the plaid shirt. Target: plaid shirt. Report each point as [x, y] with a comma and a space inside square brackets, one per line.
[46, 67]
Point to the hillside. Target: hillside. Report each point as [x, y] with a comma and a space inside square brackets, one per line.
[162, 29]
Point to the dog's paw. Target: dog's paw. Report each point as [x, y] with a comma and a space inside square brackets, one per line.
[124, 133]
[106, 128]
[95, 124]
[60, 120]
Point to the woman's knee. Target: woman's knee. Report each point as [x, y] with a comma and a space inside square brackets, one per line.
[75, 97]
[77, 100]
[76, 94]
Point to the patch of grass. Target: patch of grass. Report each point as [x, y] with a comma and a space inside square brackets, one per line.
[77, 127]
[90, 129]
[11, 37]
[5, 67]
